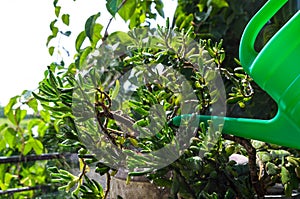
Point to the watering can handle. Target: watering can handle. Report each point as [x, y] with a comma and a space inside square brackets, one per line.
[247, 51]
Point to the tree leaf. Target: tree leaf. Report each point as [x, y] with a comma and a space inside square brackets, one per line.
[112, 6]
[27, 148]
[66, 19]
[79, 40]
[84, 55]
[10, 137]
[20, 115]
[90, 26]
[127, 10]
[32, 103]
[11, 103]
[37, 146]
[160, 8]
[96, 34]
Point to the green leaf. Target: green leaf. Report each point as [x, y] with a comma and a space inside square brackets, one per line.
[264, 156]
[84, 55]
[57, 10]
[10, 137]
[102, 168]
[27, 148]
[122, 36]
[115, 92]
[66, 19]
[53, 28]
[12, 101]
[127, 10]
[38, 147]
[3, 126]
[271, 168]
[90, 26]
[32, 103]
[79, 40]
[34, 144]
[160, 8]
[285, 175]
[49, 39]
[55, 3]
[96, 34]
[51, 50]
[220, 3]
[112, 6]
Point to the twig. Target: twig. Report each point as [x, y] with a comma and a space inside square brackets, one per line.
[108, 178]
[110, 20]
[83, 169]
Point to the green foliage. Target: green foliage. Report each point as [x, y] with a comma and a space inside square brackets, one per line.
[20, 137]
[204, 170]
[87, 87]
[280, 165]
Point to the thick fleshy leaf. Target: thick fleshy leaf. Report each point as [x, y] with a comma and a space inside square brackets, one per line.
[285, 175]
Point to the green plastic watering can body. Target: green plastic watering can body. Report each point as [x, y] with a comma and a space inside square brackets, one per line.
[276, 69]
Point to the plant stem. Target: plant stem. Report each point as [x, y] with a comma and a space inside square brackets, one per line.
[110, 20]
[257, 184]
[108, 178]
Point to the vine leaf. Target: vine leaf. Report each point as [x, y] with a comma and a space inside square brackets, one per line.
[66, 19]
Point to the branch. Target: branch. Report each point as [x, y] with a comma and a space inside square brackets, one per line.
[108, 178]
[257, 184]
[110, 20]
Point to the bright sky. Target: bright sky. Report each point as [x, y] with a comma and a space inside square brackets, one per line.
[24, 31]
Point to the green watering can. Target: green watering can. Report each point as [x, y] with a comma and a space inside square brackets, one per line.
[276, 69]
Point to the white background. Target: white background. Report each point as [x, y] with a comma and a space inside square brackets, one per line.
[24, 28]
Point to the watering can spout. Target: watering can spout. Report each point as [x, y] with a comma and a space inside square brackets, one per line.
[278, 130]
